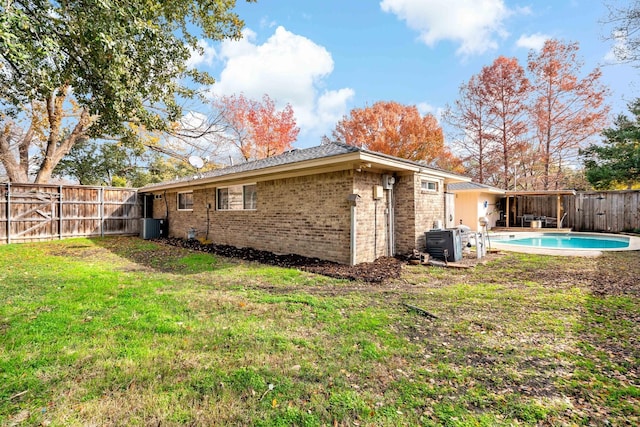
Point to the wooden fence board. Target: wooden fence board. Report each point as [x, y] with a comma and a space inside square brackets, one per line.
[34, 212]
[606, 211]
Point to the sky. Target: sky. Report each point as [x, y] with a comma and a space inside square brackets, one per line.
[326, 57]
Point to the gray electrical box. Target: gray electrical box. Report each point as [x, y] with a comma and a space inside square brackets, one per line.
[388, 181]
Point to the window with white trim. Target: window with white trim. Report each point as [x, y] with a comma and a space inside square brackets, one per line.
[185, 201]
[249, 197]
[222, 199]
[237, 197]
[428, 185]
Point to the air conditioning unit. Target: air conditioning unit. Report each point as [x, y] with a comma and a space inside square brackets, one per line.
[444, 244]
[150, 228]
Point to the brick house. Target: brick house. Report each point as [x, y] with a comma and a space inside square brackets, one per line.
[335, 202]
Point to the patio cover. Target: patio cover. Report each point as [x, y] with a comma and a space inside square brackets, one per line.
[557, 193]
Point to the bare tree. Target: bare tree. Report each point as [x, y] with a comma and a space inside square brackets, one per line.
[624, 21]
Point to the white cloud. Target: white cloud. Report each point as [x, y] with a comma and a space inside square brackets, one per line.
[206, 56]
[474, 24]
[332, 105]
[289, 68]
[532, 41]
[425, 108]
[620, 50]
[265, 22]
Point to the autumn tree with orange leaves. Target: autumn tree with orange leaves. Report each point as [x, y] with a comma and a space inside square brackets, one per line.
[492, 113]
[566, 110]
[256, 128]
[398, 130]
[525, 128]
[506, 90]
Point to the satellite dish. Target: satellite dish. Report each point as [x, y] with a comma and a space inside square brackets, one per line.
[196, 162]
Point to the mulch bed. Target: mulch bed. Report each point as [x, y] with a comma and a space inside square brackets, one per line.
[381, 270]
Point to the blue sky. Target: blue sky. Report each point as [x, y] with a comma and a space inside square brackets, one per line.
[327, 57]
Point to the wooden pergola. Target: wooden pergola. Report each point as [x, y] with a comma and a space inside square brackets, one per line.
[557, 193]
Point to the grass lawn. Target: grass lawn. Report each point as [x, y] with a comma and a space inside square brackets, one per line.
[121, 331]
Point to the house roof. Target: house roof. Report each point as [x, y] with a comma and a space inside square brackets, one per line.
[295, 161]
[458, 187]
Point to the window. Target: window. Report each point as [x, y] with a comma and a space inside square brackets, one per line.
[249, 197]
[237, 198]
[185, 201]
[223, 199]
[431, 186]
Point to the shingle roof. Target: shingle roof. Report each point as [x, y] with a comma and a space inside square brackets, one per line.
[289, 157]
[292, 156]
[469, 186]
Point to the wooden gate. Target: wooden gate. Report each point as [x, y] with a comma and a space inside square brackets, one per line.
[34, 212]
[31, 214]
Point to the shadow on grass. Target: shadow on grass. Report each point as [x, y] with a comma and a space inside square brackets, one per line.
[163, 258]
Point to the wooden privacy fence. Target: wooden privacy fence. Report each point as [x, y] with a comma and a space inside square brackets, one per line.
[36, 212]
[609, 211]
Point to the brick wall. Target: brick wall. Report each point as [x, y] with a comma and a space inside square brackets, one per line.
[307, 215]
[371, 214]
[415, 211]
[404, 212]
[311, 216]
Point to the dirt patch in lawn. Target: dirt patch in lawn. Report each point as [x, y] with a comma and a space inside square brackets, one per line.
[383, 270]
[379, 271]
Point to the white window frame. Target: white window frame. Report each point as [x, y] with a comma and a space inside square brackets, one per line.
[218, 198]
[254, 200]
[426, 188]
[178, 201]
[242, 205]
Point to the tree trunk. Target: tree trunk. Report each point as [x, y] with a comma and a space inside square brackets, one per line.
[56, 150]
[14, 171]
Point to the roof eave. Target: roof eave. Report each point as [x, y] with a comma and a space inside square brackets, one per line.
[542, 193]
[341, 159]
[479, 190]
[338, 162]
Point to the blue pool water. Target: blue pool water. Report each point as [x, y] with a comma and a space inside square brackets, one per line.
[566, 241]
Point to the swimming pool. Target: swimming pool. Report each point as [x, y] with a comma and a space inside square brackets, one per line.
[570, 243]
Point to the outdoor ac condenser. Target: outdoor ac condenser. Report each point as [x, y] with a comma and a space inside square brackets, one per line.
[150, 228]
[447, 241]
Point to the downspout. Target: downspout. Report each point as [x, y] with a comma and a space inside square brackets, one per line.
[166, 206]
[391, 226]
[353, 252]
[375, 228]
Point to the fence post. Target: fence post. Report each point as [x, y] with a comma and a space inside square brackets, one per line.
[101, 195]
[8, 212]
[60, 203]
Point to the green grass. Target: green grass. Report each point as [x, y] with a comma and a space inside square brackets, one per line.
[121, 331]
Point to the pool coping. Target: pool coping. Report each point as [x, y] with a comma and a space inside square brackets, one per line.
[634, 244]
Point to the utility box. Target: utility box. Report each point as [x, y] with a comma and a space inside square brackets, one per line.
[444, 244]
[149, 228]
[388, 181]
[378, 192]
